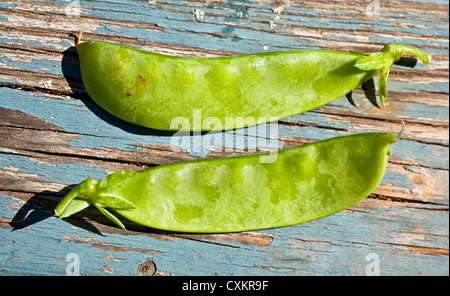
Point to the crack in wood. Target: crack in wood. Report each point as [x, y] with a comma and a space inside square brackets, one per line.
[419, 249]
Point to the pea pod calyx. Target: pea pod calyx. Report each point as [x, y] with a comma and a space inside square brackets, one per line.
[383, 60]
[95, 192]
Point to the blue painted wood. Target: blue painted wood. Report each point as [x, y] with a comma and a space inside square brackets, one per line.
[53, 136]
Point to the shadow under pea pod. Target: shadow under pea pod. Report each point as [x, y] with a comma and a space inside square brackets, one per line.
[36, 209]
[369, 91]
[70, 68]
[42, 206]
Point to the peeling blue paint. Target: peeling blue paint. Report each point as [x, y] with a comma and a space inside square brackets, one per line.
[45, 43]
[14, 80]
[64, 173]
[426, 155]
[362, 105]
[52, 67]
[4, 4]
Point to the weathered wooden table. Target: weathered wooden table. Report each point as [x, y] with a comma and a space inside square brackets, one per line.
[52, 135]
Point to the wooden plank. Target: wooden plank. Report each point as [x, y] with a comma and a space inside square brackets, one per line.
[52, 135]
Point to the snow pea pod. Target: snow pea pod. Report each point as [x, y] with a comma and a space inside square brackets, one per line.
[240, 193]
[152, 90]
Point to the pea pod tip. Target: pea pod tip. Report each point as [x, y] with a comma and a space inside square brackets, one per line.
[400, 133]
[79, 37]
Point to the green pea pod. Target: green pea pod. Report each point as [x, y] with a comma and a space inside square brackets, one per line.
[241, 193]
[220, 93]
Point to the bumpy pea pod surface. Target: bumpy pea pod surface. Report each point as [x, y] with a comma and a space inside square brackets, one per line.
[152, 89]
[240, 193]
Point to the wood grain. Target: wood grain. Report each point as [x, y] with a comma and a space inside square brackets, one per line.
[52, 136]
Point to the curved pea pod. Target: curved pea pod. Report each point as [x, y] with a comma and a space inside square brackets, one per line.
[156, 91]
[241, 193]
